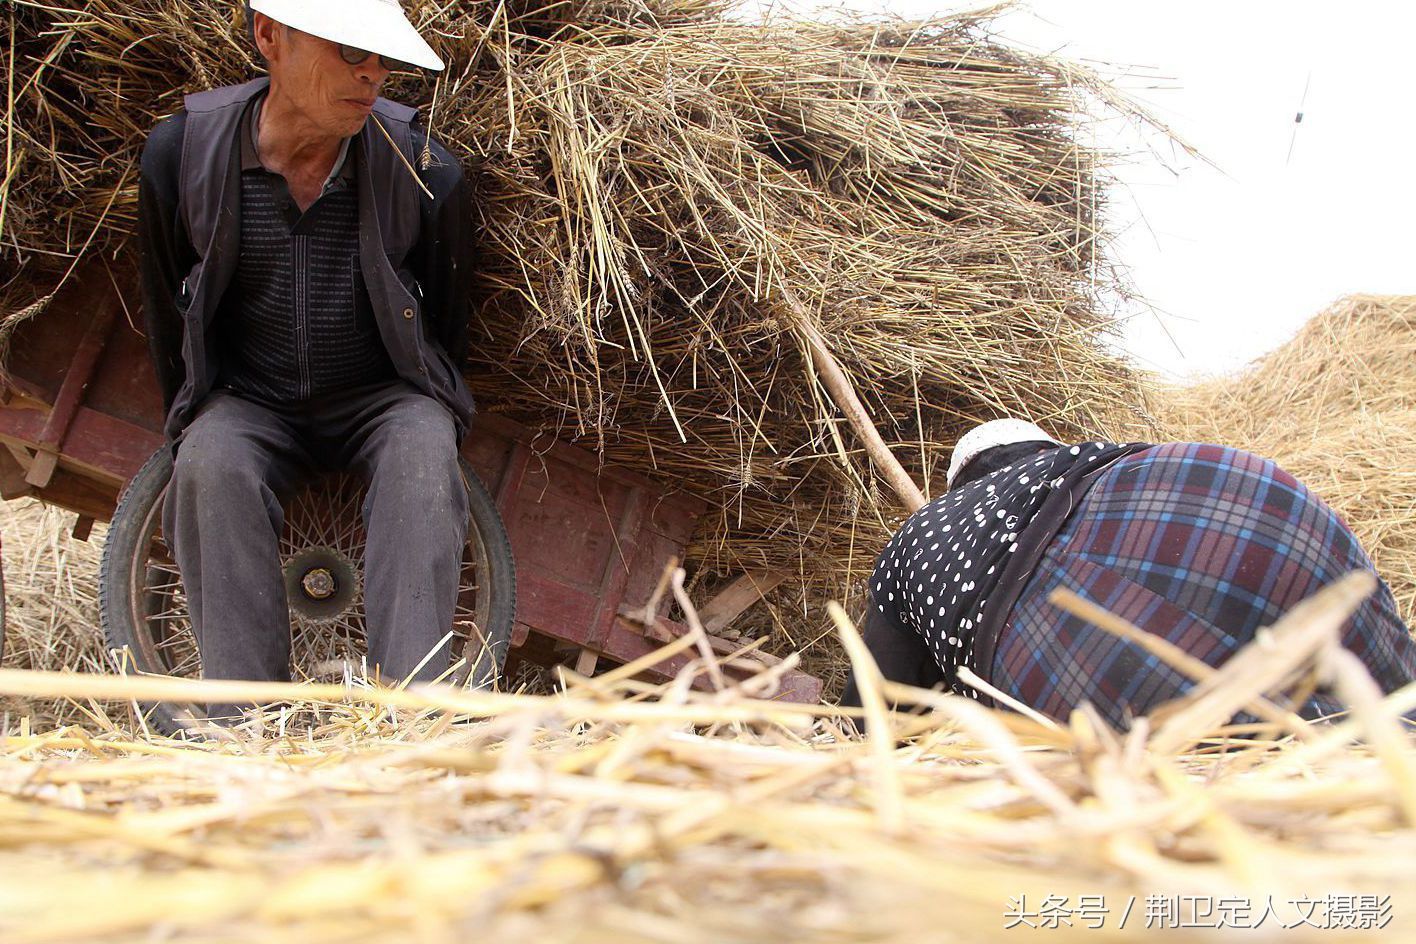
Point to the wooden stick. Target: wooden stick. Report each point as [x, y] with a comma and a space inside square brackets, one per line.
[842, 392]
[735, 599]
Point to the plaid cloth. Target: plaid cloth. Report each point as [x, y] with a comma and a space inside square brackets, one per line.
[1201, 545]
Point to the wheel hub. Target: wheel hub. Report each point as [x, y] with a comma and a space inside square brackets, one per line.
[320, 584]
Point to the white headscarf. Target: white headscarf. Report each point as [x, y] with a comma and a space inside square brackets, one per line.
[993, 433]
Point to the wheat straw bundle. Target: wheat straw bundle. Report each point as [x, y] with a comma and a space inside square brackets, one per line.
[1336, 406]
[672, 205]
[619, 812]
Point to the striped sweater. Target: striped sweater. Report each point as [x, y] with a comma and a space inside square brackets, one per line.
[297, 322]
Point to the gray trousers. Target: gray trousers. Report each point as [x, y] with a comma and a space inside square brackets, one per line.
[235, 464]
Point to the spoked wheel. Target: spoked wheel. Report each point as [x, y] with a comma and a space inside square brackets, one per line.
[144, 608]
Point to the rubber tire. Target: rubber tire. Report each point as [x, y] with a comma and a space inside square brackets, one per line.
[125, 536]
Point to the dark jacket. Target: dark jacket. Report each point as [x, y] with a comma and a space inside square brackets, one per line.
[414, 250]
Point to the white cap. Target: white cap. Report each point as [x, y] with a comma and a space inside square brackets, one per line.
[993, 433]
[380, 26]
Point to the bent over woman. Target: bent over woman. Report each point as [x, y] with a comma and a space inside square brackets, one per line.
[1199, 544]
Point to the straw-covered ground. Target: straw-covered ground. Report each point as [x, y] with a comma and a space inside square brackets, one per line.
[620, 813]
[1336, 406]
[684, 220]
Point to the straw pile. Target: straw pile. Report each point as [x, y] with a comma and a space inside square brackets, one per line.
[1336, 406]
[51, 598]
[673, 203]
[620, 813]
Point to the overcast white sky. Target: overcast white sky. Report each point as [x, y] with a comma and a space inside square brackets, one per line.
[1234, 259]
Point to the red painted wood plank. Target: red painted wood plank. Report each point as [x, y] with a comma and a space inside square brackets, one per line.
[672, 510]
[554, 609]
[108, 449]
[617, 567]
[53, 437]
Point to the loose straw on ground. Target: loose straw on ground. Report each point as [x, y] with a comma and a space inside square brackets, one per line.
[613, 813]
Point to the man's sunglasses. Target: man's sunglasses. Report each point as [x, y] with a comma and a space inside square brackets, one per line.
[354, 56]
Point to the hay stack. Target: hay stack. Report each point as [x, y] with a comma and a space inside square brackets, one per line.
[1336, 406]
[671, 203]
[619, 814]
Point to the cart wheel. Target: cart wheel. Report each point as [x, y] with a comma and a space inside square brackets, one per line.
[144, 609]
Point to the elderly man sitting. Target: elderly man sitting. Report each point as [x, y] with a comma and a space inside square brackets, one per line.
[305, 285]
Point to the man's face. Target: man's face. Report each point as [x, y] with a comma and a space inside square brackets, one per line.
[330, 94]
